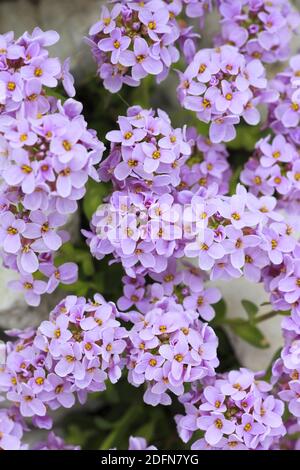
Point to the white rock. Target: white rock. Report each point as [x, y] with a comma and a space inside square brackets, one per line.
[233, 293]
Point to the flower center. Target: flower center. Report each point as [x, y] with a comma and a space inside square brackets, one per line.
[297, 176]
[228, 96]
[202, 68]
[218, 423]
[117, 44]
[27, 285]
[66, 145]
[152, 362]
[59, 388]
[178, 357]
[156, 154]
[12, 231]
[38, 72]
[236, 216]
[57, 333]
[11, 86]
[257, 180]
[26, 169]
[128, 135]
[23, 137]
[274, 244]
[151, 25]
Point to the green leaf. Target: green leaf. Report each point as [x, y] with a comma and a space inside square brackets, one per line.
[103, 424]
[94, 196]
[248, 332]
[220, 308]
[251, 308]
[234, 180]
[246, 137]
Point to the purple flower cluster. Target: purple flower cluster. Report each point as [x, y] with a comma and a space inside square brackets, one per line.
[239, 234]
[236, 411]
[145, 149]
[169, 347]
[274, 169]
[75, 351]
[48, 153]
[132, 40]
[260, 29]
[221, 87]
[155, 170]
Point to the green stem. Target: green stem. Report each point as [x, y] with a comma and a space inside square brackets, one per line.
[266, 316]
[121, 427]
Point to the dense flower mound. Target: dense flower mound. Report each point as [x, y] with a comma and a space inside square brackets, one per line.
[133, 39]
[169, 346]
[74, 352]
[260, 29]
[48, 153]
[221, 86]
[235, 410]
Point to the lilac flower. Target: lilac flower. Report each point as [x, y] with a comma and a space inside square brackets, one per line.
[222, 129]
[276, 245]
[116, 44]
[127, 135]
[230, 100]
[68, 79]
[32, 289]
[279, 150]
[236, 244]
[45, 70]
[66, 274]
[215, 426]
[11, 229]
[141, 60]
[207, 250]
[106, 23]
[156, 23]
[30, 403]
[201, 301]
[292, 397]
